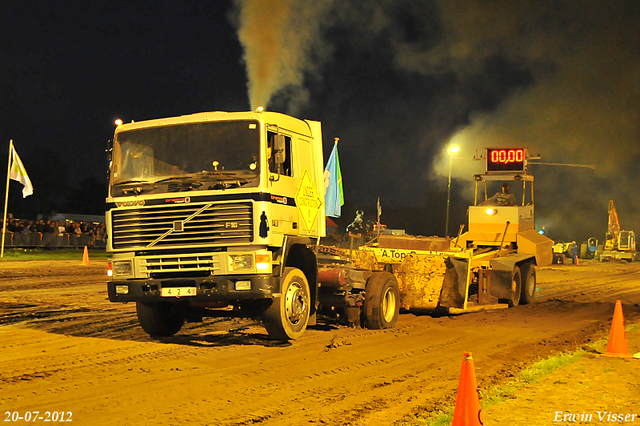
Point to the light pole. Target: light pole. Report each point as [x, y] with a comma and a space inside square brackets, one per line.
[453, 149]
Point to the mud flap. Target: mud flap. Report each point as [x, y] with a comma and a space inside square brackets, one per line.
[502, 271]
[501, 284]
[455, 281]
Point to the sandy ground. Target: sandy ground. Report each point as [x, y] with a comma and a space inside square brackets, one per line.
[65, 349]
[593, 390]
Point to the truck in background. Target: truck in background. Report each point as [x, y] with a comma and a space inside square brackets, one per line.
[561, 251]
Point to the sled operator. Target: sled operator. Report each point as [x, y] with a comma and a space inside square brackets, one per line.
[503, 198]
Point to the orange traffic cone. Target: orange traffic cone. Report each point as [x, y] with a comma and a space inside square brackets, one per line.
[85, 256]
[618, 338]
[467, 411]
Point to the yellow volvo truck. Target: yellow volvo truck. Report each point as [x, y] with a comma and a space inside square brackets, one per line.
[213, 214]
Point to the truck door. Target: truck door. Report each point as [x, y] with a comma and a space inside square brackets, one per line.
[282, 186]
[310, 192]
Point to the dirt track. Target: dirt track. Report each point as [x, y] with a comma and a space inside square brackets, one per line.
[65, 348]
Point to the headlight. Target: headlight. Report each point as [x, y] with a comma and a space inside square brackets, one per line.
[122, 268]
[491, 212]
[240, 262]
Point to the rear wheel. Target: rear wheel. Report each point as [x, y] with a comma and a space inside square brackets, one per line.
[382, 301]
[160, 319]
[288, 316]
[528, 271]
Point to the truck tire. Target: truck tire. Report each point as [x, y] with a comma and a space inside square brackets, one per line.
[528, 275]
[159, 319]
[516, 286]
[288, 315]
[382, 301]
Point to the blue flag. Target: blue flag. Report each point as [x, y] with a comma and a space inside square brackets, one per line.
[333, 196]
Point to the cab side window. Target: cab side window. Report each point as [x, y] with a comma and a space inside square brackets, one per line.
[284, 168]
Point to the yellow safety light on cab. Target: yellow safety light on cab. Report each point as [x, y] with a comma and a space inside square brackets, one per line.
[118, 122]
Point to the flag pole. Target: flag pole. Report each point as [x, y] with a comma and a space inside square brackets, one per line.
[378, 208]
[6, 198]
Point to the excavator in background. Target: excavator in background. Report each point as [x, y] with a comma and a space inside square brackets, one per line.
[618, 244]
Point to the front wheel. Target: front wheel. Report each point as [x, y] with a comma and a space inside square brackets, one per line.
[382, 301]
[288, 316]
[160, 319]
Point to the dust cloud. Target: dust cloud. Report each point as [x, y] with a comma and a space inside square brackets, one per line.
[400, 80]
[281, 44]
[583, 108]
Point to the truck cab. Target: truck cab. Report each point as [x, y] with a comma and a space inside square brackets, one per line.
[211, 214]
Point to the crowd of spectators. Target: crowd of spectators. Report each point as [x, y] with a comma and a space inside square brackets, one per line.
[48, 233]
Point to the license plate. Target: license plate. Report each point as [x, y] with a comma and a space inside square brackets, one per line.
[178, 291]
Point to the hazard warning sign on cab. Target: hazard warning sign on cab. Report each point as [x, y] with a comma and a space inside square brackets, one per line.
[308, 202]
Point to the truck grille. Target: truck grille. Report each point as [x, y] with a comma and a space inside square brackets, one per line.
[162, 266]
[184, 224]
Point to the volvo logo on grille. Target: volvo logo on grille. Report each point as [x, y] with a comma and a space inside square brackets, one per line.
[134, 203]
[178, 226]
[231, 225]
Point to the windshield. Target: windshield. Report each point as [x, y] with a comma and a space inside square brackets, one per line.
[208, 155]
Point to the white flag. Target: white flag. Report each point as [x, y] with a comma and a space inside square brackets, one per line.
[18, 172]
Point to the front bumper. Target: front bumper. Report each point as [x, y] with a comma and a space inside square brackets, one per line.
[208, 289]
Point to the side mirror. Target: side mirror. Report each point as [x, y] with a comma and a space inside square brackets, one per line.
[109, 151]
[279, 147]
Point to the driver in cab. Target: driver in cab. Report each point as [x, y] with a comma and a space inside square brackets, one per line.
[502, 198]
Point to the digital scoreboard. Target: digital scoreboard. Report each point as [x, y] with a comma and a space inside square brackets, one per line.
[506, 159]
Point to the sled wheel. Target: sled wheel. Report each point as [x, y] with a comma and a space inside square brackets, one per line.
[159, 319]
[516, 286]
[528, 271]
[382, 301]
[287, 317]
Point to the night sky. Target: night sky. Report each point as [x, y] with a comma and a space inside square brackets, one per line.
[396, 80]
